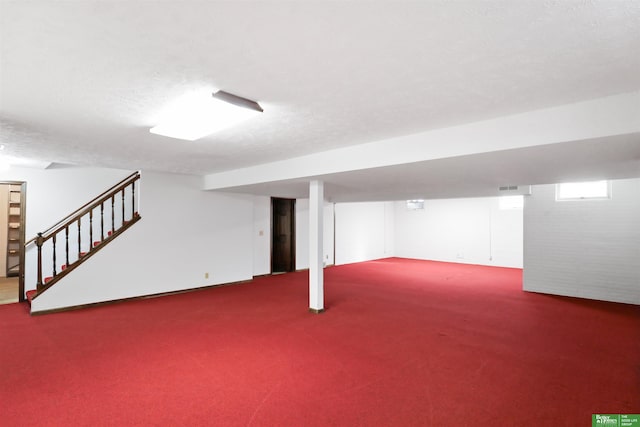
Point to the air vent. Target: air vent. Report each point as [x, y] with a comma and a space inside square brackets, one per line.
[514, 190]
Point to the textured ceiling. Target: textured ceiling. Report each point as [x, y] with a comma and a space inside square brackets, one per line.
[83, 81]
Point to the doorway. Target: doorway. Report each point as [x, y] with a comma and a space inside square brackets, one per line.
[12, 222]
[283, 235]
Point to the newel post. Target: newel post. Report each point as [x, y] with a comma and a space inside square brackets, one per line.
[39, 242]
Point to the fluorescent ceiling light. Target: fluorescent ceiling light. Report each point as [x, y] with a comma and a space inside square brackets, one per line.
[199, 114]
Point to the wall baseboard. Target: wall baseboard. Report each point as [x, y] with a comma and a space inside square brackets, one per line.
[141, 297]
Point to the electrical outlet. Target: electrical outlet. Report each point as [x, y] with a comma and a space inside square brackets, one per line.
[206, 275]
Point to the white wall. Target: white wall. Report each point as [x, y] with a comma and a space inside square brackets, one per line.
[469, 231]
[329, 234]
[584, 248]
[184, 233]
[261, 235]
[302, 234]
[364, 231]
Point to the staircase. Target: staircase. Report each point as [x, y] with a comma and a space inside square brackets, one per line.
[80, 235]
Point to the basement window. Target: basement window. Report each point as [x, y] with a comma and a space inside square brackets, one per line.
[415, 205]
[511, 202]
[583, 190]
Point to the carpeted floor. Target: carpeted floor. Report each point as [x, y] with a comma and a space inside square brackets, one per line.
[402, 343]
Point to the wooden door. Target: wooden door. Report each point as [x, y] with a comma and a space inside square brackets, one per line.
[283, 240]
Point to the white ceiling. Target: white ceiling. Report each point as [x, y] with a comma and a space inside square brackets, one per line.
[82, 82]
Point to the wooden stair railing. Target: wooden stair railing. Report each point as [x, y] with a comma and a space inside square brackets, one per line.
[121, 203]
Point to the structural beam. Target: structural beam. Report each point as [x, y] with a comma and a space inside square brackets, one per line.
[598, 118]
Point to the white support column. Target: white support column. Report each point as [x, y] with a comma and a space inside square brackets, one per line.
[316, 272]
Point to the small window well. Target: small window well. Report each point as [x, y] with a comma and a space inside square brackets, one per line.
[415, 205]
[583, 190]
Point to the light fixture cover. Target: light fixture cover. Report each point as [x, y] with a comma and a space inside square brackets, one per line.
[198, 114]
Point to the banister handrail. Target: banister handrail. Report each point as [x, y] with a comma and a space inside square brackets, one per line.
[105, 195]
[114, 197]
[88, 208]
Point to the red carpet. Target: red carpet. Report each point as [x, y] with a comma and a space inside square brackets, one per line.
[403, 343]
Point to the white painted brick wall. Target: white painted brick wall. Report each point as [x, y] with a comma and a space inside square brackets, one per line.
[584, 248]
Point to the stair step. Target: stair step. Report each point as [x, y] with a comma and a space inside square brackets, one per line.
[64, 267]
[82, 254]
[30, 294]
[96, 243]
[109, 233]
[48, 279]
